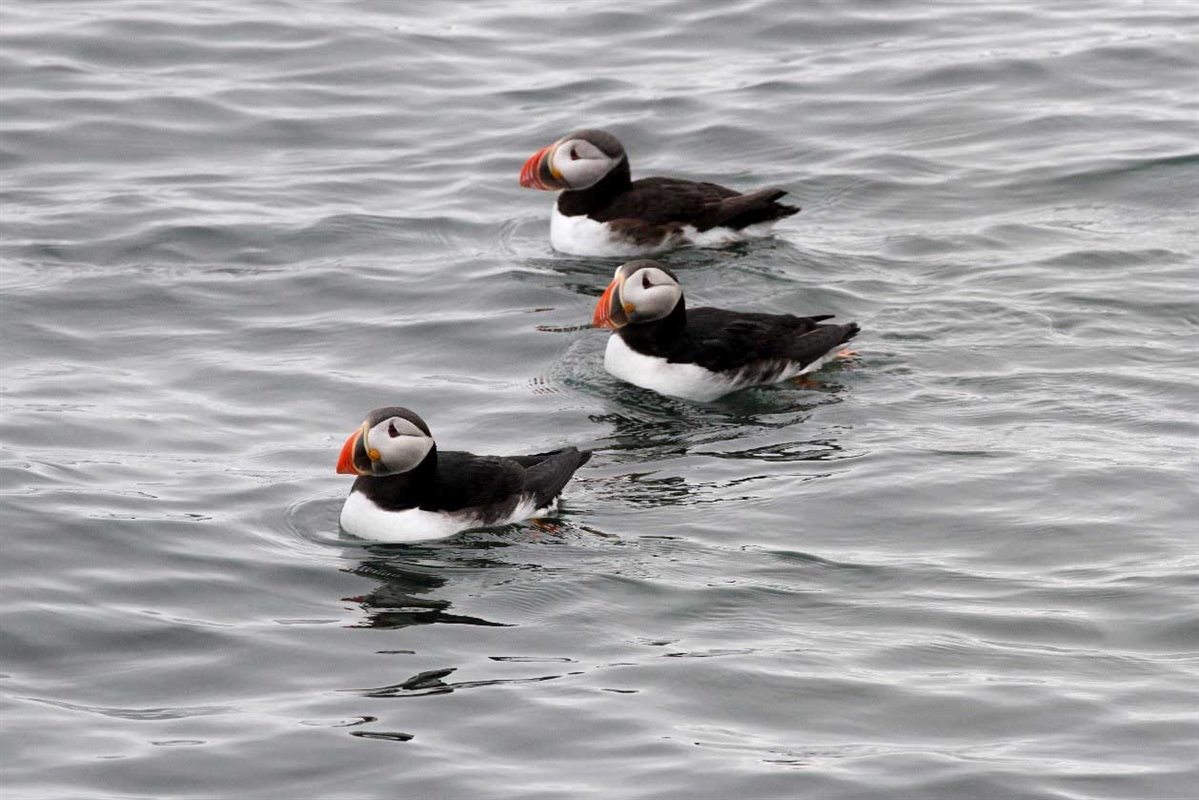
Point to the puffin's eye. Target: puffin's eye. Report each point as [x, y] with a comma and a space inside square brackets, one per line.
[391, 430]
[574, 154]
[645, 284]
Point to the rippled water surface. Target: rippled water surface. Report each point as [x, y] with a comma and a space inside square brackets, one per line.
[961, 567]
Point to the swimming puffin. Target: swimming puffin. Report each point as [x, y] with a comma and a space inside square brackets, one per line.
[704, 353]
[603, 212]
[408, 491]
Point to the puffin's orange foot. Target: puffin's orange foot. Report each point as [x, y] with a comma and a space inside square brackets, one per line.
[804, 382]
[545, 526]
[848, 354]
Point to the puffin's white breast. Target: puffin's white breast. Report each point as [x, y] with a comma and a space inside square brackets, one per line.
[582, 236]
[689, 381]
[653, 372]
[361, 517]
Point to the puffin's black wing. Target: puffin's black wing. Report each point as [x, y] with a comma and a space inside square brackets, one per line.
[723, 341]
[742, 210]
[465, 480]
[671, 201]
[533, 459]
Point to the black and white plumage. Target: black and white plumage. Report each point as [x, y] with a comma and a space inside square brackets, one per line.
[409, 491]
[703, 353]
[603, 212]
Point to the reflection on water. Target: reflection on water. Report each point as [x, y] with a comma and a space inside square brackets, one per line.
[647, 422]
[430, 682]
[399, 602]
[667, 443]
[812, 450]
[387, 736]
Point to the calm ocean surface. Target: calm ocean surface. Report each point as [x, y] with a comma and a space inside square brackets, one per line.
[963, 567]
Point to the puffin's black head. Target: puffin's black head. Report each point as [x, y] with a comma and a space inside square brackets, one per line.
[603, 141]
[575, 161]
[641, 291]
[390, 441]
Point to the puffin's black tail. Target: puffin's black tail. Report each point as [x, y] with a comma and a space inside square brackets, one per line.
[547, 476]
[820, 340]
[753, 208]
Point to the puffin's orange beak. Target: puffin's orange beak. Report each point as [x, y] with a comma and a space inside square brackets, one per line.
[610, 311]
[538, 172]
[345, 462]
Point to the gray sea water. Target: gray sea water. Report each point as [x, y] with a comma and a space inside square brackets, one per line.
[962, 567]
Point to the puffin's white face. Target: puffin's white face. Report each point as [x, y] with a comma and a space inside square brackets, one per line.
[389, 447]
[574, 162]
[641, 291]
[579, 163]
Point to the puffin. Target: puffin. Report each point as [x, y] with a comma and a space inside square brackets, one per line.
[704, 353]
[603, 212]
[408, 491]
